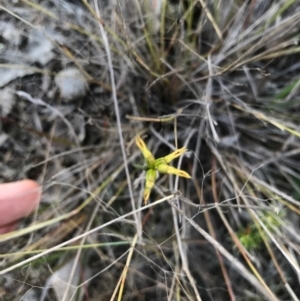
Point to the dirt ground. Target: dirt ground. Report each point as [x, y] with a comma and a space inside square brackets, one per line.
[79, 80]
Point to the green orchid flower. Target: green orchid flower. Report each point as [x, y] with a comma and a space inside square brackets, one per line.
[160, 165]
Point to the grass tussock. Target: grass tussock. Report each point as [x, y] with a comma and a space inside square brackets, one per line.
[81, 79]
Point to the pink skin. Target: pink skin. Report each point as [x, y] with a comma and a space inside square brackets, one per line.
[17, 200]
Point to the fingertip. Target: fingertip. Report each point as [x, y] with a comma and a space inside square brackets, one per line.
[18, 199]
[8, 228]
[33, 188]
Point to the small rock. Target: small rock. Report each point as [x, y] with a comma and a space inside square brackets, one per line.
[7, 101]
[39, 48]
[3, 138]
[71, 83]
[10, 33]
[9, 74]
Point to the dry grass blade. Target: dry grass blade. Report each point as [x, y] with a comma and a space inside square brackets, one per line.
[120, 218]
[211, 19]
[124, 274]
[240, 268]
[212, 88]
